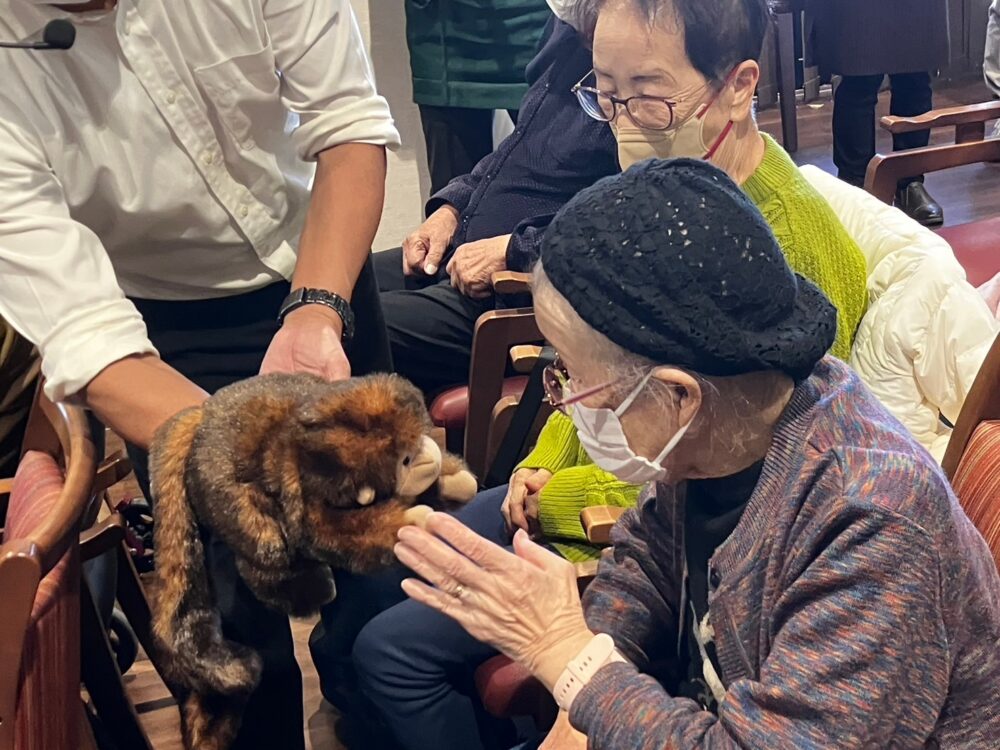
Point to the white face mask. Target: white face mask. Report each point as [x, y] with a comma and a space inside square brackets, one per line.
[602, 436]
[566, 11]
[687, 139]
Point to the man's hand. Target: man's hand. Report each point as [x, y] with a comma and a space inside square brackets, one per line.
[424, 249]
[472, 266]
[520, 507]
[309, 341]
[562, 736]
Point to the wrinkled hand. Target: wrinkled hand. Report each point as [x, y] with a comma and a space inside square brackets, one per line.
[472, 266]
[526, 604]
[424, 248]
[520, 507]
[562, 736]
[309, 341]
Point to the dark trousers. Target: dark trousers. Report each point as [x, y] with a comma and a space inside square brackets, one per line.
[456, 138]
[415, 665]
[215, 343]
[854, 120]
[429, 322]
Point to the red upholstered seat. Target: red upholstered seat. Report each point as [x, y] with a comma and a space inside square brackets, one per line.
[977, 247]
[450, 408]
[507, 689]
[49, 683]
[977, 483]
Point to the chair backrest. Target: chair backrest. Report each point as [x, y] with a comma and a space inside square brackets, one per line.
[982, 404]
[39, 582]
[977, 483]
[495, 333]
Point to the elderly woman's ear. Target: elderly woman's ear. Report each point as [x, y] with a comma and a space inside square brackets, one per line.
[742, 84]
[686, 388]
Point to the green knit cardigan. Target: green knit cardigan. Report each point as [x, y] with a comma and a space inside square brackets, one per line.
[815, 244]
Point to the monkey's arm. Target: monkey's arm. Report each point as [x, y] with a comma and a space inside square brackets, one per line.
[455, 485]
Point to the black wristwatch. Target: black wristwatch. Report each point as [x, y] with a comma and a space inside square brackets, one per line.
[302, 296]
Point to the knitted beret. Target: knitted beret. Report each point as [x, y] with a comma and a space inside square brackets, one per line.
[673, 262]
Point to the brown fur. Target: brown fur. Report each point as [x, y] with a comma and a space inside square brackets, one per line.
[280, 468]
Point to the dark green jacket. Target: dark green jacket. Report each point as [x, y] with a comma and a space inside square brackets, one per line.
[472, 53]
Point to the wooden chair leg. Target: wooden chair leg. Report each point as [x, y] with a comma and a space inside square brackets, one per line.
[86, 733]
[786, 81]
[103, 680]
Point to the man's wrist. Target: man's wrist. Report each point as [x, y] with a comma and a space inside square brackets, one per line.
[335, 309]
[316, 313]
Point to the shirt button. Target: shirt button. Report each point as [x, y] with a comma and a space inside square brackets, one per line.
[244, 211]
[249, 144]
[207, 158]
[171, 97]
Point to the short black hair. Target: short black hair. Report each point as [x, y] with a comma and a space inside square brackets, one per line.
[718, 34]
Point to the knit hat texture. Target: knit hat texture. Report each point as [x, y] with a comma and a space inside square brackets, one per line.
[673, 262]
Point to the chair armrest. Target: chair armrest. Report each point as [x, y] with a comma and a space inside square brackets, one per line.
[102, 537]
[975, 115]
[597, 521]
[114, 469]
[6, 485]
[524, 356]
[511, 282]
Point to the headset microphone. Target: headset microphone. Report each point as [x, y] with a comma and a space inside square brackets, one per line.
[58, 34]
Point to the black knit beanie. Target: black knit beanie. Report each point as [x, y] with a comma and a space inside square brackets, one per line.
[672, 261]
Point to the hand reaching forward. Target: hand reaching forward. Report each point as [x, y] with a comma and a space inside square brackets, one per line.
[309, 341]
[525, 605]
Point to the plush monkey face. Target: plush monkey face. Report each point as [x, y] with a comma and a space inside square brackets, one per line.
[367, 442]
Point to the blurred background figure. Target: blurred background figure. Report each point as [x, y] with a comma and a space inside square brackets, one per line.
[468, 59]
[863, 41]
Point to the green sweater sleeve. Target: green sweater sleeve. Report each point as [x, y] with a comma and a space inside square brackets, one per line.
[575, 488]
[557, 448]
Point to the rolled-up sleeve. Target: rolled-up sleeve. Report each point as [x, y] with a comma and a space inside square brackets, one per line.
[57, 286]
[326, 76]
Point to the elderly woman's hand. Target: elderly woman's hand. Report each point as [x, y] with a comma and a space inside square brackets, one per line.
[520, 506]
[526, 604]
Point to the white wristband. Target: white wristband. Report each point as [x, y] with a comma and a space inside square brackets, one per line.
[598, 653]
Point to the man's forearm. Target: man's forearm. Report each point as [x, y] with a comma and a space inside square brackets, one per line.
[344, 213]
[135, 395]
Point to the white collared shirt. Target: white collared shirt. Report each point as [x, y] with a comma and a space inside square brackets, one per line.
[167, 155]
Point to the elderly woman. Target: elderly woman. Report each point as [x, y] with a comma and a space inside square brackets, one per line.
[799, 574]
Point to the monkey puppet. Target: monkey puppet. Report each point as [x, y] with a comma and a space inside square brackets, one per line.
[295, 475]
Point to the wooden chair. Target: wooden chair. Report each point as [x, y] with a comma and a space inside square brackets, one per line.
[466, 411]
[977, 244]
[972, 461]
[40, 706]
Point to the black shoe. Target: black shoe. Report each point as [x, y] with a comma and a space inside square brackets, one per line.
[917, 203]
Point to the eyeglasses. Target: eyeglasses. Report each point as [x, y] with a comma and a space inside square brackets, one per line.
[649, 112]
[555, 381]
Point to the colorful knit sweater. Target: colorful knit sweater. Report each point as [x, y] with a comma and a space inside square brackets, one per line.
[815, 244]
[854, 606]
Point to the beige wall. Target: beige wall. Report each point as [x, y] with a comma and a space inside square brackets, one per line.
[384, 30]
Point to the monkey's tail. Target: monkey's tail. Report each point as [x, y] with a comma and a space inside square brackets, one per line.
[186, 623]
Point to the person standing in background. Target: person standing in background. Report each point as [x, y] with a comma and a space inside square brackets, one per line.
[468, 59]
[864, 41]
[991, 60]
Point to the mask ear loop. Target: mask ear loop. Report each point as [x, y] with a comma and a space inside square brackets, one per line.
[729, 125]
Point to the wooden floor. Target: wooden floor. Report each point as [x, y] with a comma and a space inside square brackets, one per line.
[966, 194]
[159, 716]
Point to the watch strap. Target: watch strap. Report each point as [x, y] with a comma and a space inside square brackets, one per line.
[581, 669]
[303, 296]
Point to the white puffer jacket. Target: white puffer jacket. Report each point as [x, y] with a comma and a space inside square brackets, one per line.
[927, 330]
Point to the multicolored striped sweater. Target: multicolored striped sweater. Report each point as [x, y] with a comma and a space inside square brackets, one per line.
[854, 606]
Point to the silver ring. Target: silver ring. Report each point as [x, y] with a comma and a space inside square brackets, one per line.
[459, 591]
